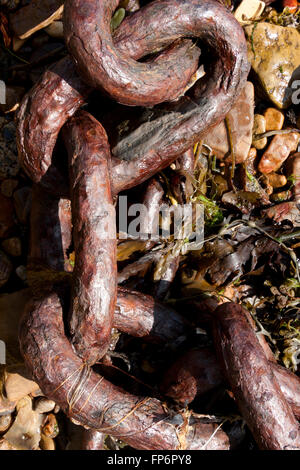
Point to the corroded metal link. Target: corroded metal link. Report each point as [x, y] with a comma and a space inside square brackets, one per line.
[94, 286]
[90, 400]
[253, 382]
[59, 358]
[61, 91]
[87, 29]
[164, 133]
[86, 397]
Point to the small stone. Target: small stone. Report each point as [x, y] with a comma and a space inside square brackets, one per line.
[37, 393]
[281, 146]
[259, 127]
[25, 433]
[22, 202]
[46, 443]
[274, 119]
[7, 221]
[249, 10]
[12, 246]
[276, 180]
[240, 120]
[274, 55]
[8, 186]
[282, 196]
[44, 405]
[35, 16]
[50, 429]
[292, 5]
[6, 268]
[56, 409]
[268, 188]
[55, 30]
[21, 272]
[5, 422]
[18, 384]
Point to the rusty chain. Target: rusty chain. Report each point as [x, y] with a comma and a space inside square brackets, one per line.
[61, 340]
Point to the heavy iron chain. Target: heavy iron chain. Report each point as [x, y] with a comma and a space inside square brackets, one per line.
[60, 356]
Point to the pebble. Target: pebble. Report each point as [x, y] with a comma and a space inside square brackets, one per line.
[12, 246]
[44, 405]
[292, 5]
[267, 187]
[25, 432]
[6, 268]
[282, 196]
[7, 221]
[240, 119]
[21, 272]
[259, 127]
[37, 393]
[18, 385]
[55, 30]
[274, 119]
[273, 52]
[46, 443]
[50, 429]
[281, 146]
[8, 186]
[249, 10]
[57, 409]
[276, 180]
